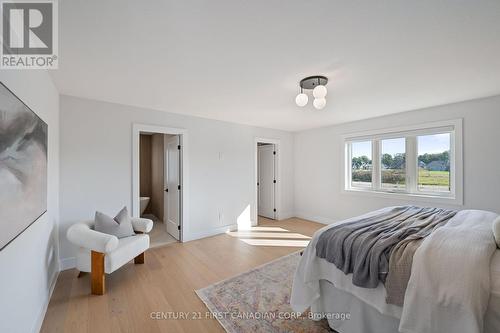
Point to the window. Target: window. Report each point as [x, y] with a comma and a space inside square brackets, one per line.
[434, 163]
[361, 163]
[418, 161]
[393, 164]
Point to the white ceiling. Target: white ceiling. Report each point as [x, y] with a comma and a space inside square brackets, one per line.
[241, 61]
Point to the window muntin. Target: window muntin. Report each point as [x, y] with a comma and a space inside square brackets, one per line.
[361, 164]
[446, 185]
[434, 174]
[393, 164]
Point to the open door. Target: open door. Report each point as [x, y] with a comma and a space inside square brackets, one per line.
[171, 216]
[266, 175]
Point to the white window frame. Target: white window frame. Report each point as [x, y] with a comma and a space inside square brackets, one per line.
[454, 127]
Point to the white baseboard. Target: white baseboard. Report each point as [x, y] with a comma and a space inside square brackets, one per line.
[210, 232]
[67, 263]
[315, 218]
[285, 215]
[41, 316]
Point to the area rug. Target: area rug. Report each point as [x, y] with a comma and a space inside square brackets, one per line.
[259, 300]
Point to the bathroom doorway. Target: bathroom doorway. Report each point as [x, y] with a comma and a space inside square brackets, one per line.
[267, 179]
[153, 168]
[157, 182]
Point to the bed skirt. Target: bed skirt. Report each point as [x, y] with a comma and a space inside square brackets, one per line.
[365, 318]
[362, 317]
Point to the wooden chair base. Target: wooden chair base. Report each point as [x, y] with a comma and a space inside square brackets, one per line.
[139, 259]
[97, 279]
[97, 275]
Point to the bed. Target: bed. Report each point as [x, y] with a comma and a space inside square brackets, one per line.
[462, 296]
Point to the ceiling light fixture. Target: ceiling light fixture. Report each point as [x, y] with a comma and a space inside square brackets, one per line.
[301, 98]
[317, 84]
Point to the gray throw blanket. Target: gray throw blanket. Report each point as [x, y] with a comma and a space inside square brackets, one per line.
[363, 247]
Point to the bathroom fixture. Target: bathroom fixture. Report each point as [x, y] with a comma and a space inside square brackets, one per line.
[144, 201]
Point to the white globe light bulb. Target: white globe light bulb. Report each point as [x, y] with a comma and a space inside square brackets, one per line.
[319, 103]
[301, 99]
[320, 92]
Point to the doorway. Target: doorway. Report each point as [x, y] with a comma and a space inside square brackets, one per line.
[267, 154]
[158, 169]
[158, 189]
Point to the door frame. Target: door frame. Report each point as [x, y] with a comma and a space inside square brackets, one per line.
[184, 174]
[277, 195]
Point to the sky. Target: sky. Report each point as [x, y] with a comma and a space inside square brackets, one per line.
[431, 144]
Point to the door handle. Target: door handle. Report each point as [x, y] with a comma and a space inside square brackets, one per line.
[166, 190]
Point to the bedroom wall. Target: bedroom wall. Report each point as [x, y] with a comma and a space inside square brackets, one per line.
[29, 264]
[318, 161]
[96, 165]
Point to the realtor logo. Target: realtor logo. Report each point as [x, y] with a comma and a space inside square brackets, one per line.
[29, 35]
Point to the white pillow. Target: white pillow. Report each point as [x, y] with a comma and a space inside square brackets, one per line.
[496, 230]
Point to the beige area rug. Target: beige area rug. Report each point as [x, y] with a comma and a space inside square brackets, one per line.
[259, 300]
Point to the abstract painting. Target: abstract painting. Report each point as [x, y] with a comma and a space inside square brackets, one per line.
[23, 166]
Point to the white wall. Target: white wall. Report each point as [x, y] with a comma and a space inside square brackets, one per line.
[96, 165]
[29, 264]
[318, 161]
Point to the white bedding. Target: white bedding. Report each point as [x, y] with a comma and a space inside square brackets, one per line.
[311, 269]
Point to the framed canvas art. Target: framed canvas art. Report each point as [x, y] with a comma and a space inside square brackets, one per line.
[23, 166]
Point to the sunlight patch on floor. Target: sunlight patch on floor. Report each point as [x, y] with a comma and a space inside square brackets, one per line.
[269, 236]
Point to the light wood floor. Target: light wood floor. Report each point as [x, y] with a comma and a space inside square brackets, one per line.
[159, 236]
[166, 282]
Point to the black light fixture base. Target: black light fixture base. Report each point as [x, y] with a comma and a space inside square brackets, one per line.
[312, 81]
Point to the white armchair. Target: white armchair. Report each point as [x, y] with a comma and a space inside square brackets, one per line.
[100, 253]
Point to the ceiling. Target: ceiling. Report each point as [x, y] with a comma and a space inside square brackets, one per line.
[241, 61]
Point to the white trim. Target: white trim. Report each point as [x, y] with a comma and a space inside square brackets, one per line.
[454, 127]
[314, 218]
[277, 198]
[393, 132]
[376, 174]
[211, 232]
[37, 326]
[183, 136]
[67, 263]
[404, 196]
[286, 215]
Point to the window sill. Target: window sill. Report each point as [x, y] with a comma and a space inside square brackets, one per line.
[441, 199]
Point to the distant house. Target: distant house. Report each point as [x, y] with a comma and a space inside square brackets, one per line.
[421, 164]
[437, 166]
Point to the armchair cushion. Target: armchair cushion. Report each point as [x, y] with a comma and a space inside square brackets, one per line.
[142, 225]
[120, 226]
[83, 235]
[128, 248]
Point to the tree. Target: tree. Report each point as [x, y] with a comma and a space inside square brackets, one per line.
[428, 158]
[398, 161]
[365, 162]
[361, 162]
[387, 160]
[356, 163]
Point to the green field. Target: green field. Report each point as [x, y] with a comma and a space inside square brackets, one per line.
[426, 178]
[438, 178]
